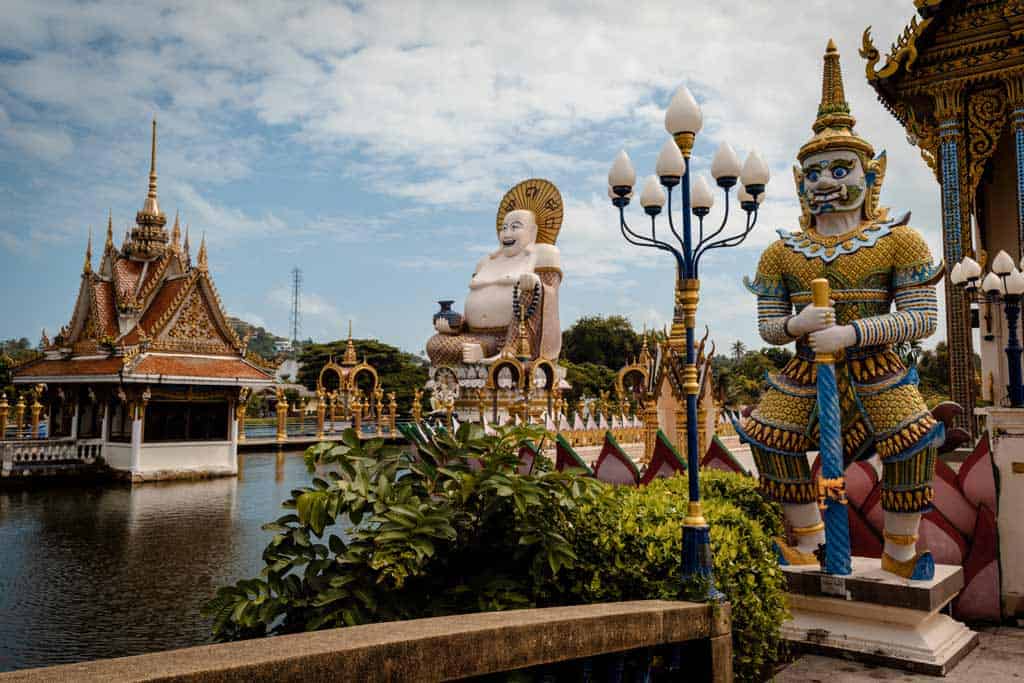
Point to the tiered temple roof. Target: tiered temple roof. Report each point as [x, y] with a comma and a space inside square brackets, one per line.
[147, 314]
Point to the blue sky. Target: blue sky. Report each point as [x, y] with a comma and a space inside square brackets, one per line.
[370, 144]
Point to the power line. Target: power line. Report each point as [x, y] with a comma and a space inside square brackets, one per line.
[296, 315]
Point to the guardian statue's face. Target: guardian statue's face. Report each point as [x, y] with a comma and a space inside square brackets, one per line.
[834, 182]
[518, 231]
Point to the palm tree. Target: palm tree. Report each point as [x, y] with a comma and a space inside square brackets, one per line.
[738, 349]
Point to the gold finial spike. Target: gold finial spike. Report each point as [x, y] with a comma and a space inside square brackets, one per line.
[176, 232]
[87, 266]
[151, 206]
[202, 253]
[186, 245]
[350, 328]
[110, 229]
[833, 110]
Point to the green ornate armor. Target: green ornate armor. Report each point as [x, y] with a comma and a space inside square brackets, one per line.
[884, 263]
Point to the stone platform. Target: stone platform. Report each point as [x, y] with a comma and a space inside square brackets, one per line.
[874, 616]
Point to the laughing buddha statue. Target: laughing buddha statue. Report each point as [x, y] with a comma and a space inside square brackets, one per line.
[871, 261]
[517, 283]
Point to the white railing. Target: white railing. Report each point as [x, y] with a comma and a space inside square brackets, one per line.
[47, 452]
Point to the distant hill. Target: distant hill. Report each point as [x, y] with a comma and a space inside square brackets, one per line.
[266, 344]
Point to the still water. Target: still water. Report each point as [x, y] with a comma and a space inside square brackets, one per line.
[92, 572]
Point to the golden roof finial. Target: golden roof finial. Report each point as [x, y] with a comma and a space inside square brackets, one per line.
[350, 349]
[187, 248]
[87, 266]
[833, 125]
[202, 253]
[151, 206]
[176, 232]
[110, 230]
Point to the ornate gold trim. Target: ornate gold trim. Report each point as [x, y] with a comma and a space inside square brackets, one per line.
[543, 199]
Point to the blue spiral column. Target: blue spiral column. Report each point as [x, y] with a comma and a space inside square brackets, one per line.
[837, 523]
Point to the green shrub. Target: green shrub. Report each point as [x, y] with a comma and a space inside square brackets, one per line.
[380, 536]
[629, 545]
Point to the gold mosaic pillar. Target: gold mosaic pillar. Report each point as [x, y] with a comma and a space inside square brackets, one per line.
[19, 417]
[4, 409]
[282, 416]
[949, 111]
[321, 410]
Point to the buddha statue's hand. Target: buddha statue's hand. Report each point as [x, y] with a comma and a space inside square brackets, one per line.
[833, 339]
[528, 281]
[472, 353]
[811, 319]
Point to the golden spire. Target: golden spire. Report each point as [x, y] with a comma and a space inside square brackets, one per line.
[187, 248]
[202, 253]
[87, 266]
[350, 349]
[176, 232]
[833, 126]
[151, 206]
[110, 231]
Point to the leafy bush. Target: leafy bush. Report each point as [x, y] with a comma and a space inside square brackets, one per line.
[382, 536]
[629, 545]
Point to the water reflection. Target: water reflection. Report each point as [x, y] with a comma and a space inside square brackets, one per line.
[90, 572]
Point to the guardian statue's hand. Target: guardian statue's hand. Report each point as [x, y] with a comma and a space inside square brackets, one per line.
[811, 319]
[833, 339]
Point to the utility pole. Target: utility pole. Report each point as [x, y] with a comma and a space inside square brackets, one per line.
[296, 315]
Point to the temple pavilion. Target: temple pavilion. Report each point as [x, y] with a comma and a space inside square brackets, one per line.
[955, 80]
[148, 367]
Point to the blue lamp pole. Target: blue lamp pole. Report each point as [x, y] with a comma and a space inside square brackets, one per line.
[1004, 281]
[683, 120]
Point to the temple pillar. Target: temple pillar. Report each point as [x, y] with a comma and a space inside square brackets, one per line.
[1015, 96]
[103, 421]
[233, 435]
[137, 414]
[74, 419]
[282, 416]
[4, 409]
[949, 109]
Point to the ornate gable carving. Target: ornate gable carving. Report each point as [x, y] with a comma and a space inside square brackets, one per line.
[193, 328]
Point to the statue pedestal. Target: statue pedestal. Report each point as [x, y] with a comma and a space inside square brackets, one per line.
[876, 617]
[1006, 430]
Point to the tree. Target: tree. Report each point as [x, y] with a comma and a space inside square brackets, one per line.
[738, 349]
[611, 342]
[588, 380]
[398, 371]
[12, 351]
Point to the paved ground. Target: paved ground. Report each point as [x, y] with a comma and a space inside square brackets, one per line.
[999, 657]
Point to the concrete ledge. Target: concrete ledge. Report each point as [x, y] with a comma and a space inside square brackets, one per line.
[436, 649]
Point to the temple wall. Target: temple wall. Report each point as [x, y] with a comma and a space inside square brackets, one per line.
[118, 455]
[997, 227]
[206, 456]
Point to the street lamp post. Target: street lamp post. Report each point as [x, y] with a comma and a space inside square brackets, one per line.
[683, 120]
[1004, 281]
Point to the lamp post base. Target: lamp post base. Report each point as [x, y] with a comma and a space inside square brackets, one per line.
[698, 570]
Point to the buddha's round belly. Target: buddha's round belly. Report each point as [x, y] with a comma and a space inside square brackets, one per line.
[489, 306]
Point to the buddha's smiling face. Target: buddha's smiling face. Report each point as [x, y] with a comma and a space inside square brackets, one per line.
[834, 182]
[518, 231]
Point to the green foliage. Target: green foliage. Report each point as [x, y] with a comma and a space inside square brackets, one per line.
[629, 544]
[382, 536]
[399, 372]
[587, 380]
[611, 342]
[12, 351]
